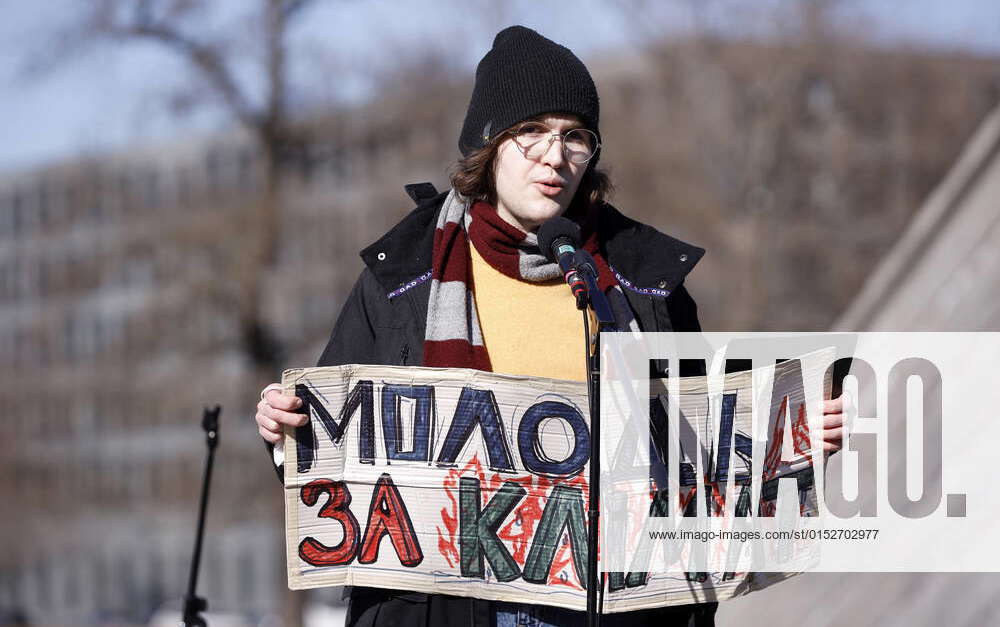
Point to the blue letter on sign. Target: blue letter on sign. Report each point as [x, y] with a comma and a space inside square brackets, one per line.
[392, 421]
[531, 448]
[477, 407]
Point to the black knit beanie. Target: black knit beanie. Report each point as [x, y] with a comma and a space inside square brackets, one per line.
[522, 76]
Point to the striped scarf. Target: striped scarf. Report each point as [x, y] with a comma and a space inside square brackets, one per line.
[454, 337]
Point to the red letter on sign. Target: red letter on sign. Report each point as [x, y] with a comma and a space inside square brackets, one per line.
[337, 507]
[387, 515]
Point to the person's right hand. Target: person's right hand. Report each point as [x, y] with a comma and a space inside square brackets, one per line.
[276, 410]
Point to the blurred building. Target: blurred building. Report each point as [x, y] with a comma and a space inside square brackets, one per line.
[112, 336]
[942, 275]
[117, 302]
[118, 325]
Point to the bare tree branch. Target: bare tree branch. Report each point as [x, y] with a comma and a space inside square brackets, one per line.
[206, 58]
[292, 7]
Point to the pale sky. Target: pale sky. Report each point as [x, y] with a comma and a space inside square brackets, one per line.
[113, 97]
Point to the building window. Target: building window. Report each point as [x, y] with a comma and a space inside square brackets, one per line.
[8, 278]
[6, 209]
[44, 208]
[213, 170]
[151, 189]
[16, 214]
[28, 278]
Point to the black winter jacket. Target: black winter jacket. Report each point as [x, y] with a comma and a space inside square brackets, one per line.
[384, 318]
[383, 322]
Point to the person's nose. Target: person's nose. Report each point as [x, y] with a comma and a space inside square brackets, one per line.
[553, 155]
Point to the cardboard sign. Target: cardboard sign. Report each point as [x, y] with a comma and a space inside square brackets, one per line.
[460, 482]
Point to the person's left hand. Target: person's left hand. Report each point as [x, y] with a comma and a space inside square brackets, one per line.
[833, 424]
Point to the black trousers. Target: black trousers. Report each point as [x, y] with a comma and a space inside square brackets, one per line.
[373, 607]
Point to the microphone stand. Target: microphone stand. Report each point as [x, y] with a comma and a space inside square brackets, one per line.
[193, 604]
[584, 264]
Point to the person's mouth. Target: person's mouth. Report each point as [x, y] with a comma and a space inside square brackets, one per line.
[550, 187]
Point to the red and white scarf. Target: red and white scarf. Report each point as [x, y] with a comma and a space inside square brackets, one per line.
[454, 337]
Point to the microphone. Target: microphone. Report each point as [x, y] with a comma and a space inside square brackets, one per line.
[559, 239]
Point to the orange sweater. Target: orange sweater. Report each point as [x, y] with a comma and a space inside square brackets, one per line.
[529, 328]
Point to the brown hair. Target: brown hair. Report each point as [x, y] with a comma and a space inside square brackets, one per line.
[474, 177]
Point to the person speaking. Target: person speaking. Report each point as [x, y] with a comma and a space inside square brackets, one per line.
[461, 280]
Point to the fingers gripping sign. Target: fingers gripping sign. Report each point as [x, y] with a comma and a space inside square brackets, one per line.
[276, 410]
[833, 420]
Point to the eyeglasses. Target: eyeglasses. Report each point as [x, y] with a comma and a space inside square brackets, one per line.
[578, 145]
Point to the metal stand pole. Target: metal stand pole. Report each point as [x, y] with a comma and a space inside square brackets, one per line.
[595, 584]
[193, 604]
[584, 264]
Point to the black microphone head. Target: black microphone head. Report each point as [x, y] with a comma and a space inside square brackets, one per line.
[555, 229]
